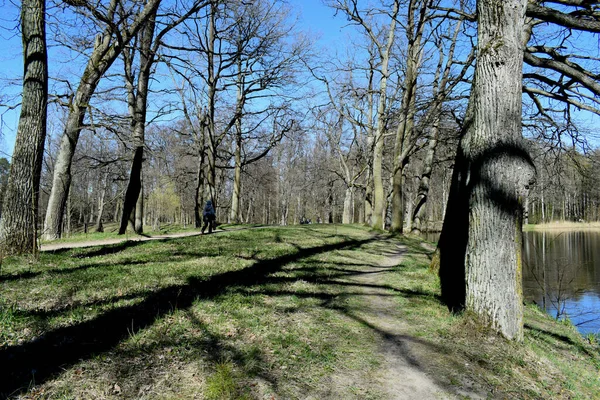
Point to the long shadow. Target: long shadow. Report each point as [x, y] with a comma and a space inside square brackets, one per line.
[66, 271]
[50, 354]
[562, 338]
[99, 250]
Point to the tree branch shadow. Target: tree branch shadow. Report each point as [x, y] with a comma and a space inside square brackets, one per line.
[57, 350]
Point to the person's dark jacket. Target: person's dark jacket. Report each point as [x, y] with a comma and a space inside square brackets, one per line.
[208, 214]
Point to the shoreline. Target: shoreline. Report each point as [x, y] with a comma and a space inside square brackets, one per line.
[563, 226]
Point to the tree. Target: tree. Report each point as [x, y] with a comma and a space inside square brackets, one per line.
[405, 133]
[383, 40]
[4, 172]
[480, 245]
[137, 102]
[18, 226]
[118, 32]
[266, 57]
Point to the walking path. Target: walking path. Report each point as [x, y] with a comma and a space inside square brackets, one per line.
[403, 375]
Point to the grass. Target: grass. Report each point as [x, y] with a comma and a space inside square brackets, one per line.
[258, 313]
[111, 232]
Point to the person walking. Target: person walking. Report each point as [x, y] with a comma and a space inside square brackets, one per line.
[209, 217]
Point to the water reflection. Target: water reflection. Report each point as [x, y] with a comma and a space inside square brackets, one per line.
[562, 274]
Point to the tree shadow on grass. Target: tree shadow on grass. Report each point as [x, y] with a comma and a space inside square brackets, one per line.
[69, 270]
[59, 349]
[563, 338]
[99, 250]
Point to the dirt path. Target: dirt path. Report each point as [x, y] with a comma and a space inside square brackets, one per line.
[104, 242]
[402, 375]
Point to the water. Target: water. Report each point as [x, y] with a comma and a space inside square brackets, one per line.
[561, 273]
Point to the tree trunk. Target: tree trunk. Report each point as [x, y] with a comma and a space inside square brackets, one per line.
[199, 191]
[480, 247]
[18, 226]
[138, 226]
[423, 191]
[379, 199]
[348, 211]
[99, 227]
[408, 213]
[236, 214]
[404, 133]
[138, 101]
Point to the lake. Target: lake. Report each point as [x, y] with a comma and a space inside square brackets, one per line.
[561, 273]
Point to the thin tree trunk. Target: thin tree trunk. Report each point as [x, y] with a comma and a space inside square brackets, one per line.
[405, 131]
[18, 226]
[348, 211]
[138, 226]
[212, 88]
[379, 198]
[99, 227]
[423, 191]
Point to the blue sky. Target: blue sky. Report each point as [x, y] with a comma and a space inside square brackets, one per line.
[313, 17]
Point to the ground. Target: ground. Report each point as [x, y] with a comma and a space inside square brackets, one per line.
[310, 312]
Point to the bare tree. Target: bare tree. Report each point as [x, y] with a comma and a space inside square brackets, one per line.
[383, 39]
[108, 45]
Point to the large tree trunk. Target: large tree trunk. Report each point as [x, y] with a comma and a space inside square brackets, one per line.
[480, 245]
[103, 56]
[18, 225]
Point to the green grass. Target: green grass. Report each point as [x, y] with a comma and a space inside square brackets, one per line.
[274, 312]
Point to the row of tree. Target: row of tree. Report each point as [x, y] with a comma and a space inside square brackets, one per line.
[179, 102]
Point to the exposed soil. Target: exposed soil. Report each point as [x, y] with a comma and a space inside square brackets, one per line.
[404, 374]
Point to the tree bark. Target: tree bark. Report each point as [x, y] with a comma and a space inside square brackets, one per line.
[235, 215]
[348, 210]
[18, 226]
[480, 247]
[379, 198]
